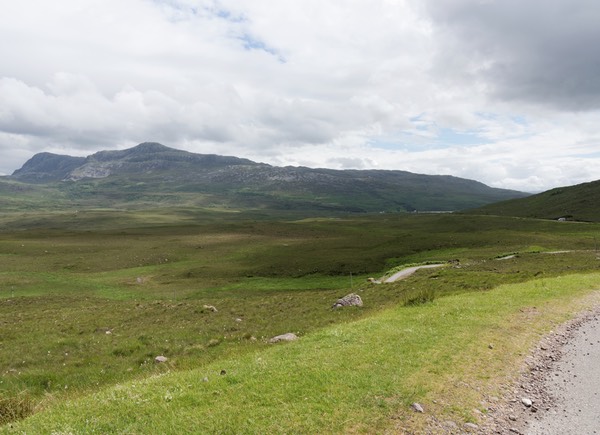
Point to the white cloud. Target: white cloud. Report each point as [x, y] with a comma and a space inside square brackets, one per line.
[394, 84]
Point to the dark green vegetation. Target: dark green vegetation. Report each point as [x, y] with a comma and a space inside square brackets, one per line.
[88, 299]
[578, 203]
[152, 175]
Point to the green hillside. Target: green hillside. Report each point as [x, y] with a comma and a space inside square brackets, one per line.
[578, 203]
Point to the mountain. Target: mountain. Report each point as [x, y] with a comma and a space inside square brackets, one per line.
[152, 174]
[580, 203]
[44, 167]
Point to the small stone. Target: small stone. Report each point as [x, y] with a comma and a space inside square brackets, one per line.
[160, 359]
[284, 337]
[527, 402]
[205, 379]
[108, 332]
[417, 407]
[490, 346]
[210, 308]
[471, 426]
[512, 418]
[238, 320]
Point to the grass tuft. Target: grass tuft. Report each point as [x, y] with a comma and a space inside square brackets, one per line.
[15, 408]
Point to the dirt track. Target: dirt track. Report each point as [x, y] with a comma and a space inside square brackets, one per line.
[409, 271]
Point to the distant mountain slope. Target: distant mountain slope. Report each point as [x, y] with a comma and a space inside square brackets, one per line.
[153, 174]
[44, 167]
[580, 202]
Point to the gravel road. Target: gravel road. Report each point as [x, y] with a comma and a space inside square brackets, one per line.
[409, 271]
[573, 386]
[562, 381]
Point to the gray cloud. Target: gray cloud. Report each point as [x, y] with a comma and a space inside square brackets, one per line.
[539, 51]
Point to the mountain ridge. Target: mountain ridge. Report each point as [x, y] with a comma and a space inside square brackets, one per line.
[152, 171]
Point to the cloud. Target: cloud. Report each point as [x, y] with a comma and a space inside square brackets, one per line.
[471, 88]
[538, 51]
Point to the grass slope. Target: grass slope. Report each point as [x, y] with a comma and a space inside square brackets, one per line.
[580, 203]
[355, 377]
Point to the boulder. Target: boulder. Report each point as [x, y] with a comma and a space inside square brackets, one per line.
[348, 301]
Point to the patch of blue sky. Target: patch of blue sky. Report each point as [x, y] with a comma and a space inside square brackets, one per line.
[594, 155]
[251, 43]
[424, 138]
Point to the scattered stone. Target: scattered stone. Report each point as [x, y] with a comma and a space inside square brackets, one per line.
[417, 407]
[471, 426]
[349, 301]
[527, 402]
[450, 424]
[512, 418]
[210, 308]
[284, 337]
[490, 346]
[108, 332]
[160, 359]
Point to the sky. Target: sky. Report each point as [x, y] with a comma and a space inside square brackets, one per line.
[506, 92]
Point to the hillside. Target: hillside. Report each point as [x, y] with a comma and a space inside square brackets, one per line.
[152, 174]
[580, 203]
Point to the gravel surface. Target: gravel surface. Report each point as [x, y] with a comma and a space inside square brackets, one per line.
[559, 391]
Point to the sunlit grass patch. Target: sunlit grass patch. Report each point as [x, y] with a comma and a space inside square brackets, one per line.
[359, 376]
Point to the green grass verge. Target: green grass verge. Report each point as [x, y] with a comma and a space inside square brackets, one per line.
[360, 376]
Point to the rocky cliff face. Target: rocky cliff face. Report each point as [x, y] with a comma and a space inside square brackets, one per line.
[144, 158]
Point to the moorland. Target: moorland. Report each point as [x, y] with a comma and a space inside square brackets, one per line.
[99, 276]
[88, 299]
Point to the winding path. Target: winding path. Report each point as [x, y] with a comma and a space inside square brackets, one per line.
[404, 273]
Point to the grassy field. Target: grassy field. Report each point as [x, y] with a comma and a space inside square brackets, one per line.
[89, 298]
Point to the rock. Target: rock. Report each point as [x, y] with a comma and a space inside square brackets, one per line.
[160, 359]
[205, 379]
[417, 407]
[238, 320]
[348, 301]
[490, 346]
[284, 337]
[210, 308]
[471, 426]
[527, 402]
